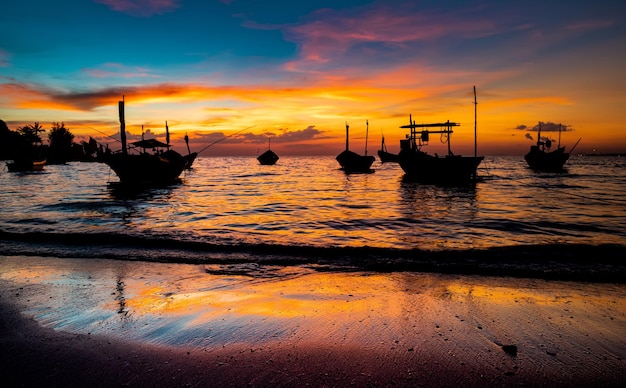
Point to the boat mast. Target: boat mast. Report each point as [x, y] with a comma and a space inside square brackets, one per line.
[347, 127]
[559, 145]
[367, 126]
[412, 136]
[383, 147]
[187, 142]
[475, 106]
[449, 132]
[122, 125]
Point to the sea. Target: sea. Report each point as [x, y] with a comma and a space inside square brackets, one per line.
[306, 210]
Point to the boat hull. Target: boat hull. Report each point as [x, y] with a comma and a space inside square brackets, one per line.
[351, 162]
[387, 157]
[546, 161]
[189, 159]
[26, 165]
[269, 157]
[451, 169]
[147, 169]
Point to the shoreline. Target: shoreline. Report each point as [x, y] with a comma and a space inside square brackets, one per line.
[573, 262]
[109, 322]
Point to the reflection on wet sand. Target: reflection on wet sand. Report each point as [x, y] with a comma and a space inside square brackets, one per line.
[513, 325]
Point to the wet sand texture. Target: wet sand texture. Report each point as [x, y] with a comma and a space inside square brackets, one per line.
[110, 323]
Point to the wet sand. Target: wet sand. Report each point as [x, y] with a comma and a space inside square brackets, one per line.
[119, 323]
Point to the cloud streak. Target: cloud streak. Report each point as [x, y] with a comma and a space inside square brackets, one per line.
[141, 8]
[330, 38]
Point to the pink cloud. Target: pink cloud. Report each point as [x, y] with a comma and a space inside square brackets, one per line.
[331, 35]
[118, 70]
[590, 25]
[141, 8]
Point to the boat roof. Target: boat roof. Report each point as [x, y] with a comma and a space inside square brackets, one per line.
[149, 143]
[446, 124]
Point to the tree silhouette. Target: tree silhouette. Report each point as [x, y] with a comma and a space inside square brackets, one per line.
[60, 139]
[31, 132]
[13, 145]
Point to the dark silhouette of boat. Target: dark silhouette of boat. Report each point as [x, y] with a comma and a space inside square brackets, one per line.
[162, 166]
[268, 157]
[384, 155]
[447, 170]
[27, 152]
[420, 166]
[351, 162]
[540, 157]
[24, 165]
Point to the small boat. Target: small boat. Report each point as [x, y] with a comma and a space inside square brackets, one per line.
[351, 162]
[384, 155]
[154, 168]
[268, 157]
[540, 157]
[23, 165]
[446, 170]
[29, 154]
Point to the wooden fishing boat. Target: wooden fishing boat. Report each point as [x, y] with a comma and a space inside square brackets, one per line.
[161, 166]
[420, 166]
[268, 157]
[426, 168]
[23, 165]
[351, 162]
[541, 158]
[384, 155]
[28, 154]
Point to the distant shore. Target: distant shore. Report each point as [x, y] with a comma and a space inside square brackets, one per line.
[68, 322]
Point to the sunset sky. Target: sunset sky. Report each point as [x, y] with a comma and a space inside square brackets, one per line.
[297, 71]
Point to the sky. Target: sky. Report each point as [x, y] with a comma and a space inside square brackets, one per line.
[239, 76]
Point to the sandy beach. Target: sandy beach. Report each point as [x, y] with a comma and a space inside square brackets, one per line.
[69, 322]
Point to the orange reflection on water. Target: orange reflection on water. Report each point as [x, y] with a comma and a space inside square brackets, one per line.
[206, 306]
[209, 297]
[557, 294]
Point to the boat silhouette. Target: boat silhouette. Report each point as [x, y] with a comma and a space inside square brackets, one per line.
[541, 158]
[351, 162]
[384, 155]
[136, 166]
[27, 164]
[449, 169]
[268, 157]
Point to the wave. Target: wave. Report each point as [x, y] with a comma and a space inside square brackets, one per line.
[577, 262]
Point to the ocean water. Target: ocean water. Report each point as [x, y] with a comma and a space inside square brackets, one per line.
[307, 204]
